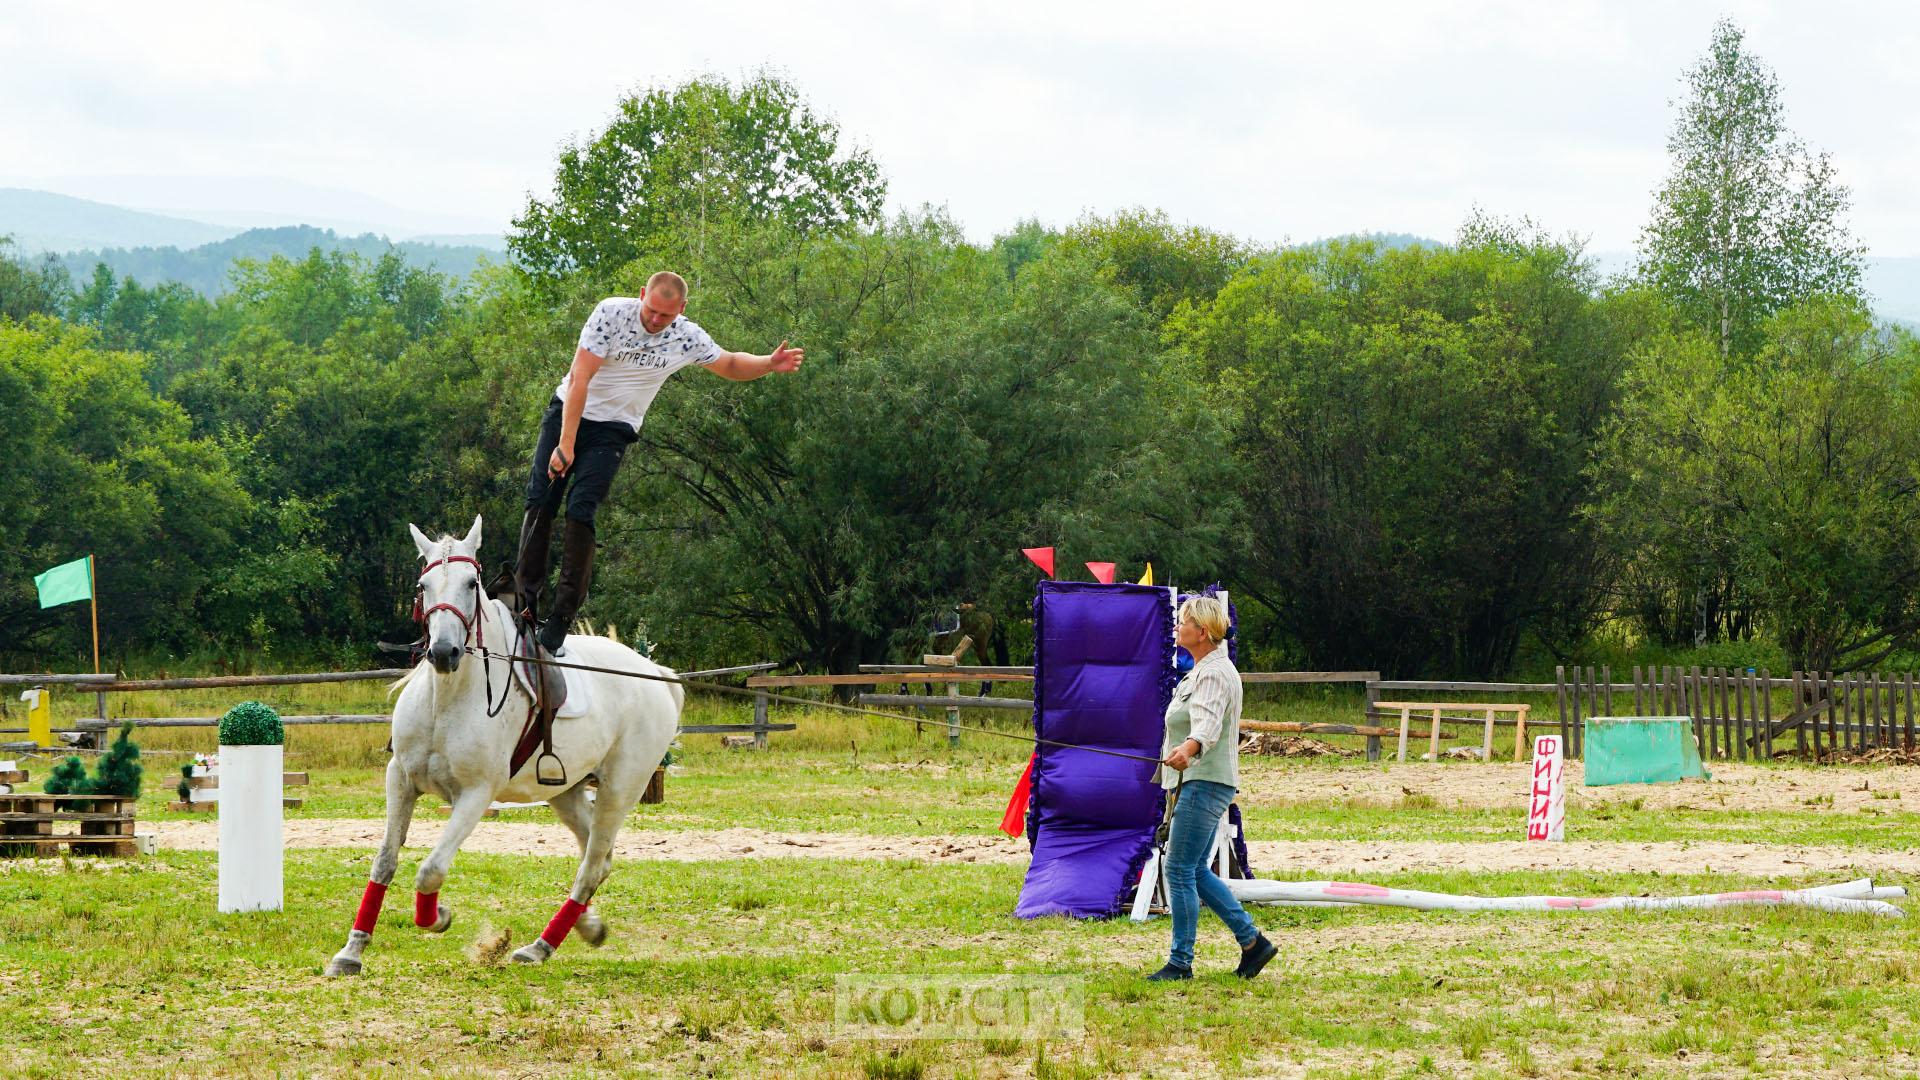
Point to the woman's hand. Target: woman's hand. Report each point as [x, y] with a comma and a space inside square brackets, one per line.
[1181, 757]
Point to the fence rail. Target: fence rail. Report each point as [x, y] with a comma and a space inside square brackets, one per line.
[1737, 717]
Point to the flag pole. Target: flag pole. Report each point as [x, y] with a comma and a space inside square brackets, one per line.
[93, 602]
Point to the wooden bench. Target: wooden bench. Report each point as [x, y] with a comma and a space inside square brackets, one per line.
[1435, 711]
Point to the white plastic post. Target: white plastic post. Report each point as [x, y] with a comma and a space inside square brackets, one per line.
[1223, 848]
[1547, 797]
[251, 849]
[1149, 883]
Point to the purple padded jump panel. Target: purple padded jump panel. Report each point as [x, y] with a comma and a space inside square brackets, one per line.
[1103, 673]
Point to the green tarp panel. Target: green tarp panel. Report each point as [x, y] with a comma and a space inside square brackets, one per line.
[1640, 750]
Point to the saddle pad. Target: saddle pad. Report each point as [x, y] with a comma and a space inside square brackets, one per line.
[578, 701]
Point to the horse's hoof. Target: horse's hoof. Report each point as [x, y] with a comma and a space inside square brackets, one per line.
[592, 929]
[534, 952]
[343, 965]
[445, 920]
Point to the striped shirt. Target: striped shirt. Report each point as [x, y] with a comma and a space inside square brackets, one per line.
[1206, 708]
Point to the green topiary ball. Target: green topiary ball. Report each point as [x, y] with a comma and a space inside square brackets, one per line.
[252, 724]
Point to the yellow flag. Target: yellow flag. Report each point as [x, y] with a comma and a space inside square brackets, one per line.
[1147, 578]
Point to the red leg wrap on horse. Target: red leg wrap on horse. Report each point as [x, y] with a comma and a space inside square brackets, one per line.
[563, 920]
[370, 902]
[426, 908]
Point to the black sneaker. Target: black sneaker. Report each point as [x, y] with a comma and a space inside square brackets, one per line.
[1170, 973]
[1255, 958]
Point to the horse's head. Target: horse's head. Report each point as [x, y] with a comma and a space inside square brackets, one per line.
[448, 599]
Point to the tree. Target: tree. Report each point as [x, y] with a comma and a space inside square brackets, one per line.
[694, 156]
[1748, 222]
[31, 290]
[1162, 264]
[1408, 430]
[1795, 475]
[97, 464]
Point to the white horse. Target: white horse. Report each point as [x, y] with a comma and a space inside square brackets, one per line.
[444, 743]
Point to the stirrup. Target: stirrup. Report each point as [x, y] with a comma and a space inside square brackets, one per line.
[540, 774]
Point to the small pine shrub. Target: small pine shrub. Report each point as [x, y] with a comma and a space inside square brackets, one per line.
[119, 771]
[68, 778]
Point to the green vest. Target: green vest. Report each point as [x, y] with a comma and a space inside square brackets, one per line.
[1220, 764]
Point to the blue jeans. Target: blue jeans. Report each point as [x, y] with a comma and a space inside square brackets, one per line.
[1190, 881]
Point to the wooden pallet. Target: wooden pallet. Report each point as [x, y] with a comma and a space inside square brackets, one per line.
[214, 807]
[41, 825]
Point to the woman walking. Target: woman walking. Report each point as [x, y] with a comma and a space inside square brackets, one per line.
[1202, 759]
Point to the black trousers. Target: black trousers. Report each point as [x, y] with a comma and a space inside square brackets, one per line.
[598, 448]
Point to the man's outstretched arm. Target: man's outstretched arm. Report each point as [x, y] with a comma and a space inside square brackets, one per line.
[745, 367]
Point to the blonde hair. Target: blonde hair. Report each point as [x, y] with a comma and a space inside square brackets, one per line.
[1208, 613]
[668, 282]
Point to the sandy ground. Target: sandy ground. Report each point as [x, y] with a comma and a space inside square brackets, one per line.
[1505, 784]
[1499, 785]
[1297, 856]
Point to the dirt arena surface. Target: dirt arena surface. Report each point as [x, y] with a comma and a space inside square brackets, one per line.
[1473, 785]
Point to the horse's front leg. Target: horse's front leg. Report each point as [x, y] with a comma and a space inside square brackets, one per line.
[575, 810]
[613, 803]
[401, 798]
[428, 912]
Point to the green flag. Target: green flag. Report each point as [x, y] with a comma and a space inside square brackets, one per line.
[66, 583]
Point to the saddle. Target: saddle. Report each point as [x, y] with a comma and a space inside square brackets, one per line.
[547, 686]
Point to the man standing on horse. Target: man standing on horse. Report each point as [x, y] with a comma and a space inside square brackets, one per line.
[627, 349]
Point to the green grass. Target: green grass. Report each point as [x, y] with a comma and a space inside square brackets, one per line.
[728, 969]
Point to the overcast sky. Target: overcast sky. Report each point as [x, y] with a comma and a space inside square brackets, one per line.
[1273, 121]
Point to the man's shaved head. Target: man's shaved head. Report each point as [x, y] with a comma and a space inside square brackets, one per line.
[667, 285]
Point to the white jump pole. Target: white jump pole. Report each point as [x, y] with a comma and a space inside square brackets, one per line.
[1852, 898]
[252, 760]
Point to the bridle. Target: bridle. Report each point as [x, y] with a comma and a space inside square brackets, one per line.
[468, 624]
[466, 621]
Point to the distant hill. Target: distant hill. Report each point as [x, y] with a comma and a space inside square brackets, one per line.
[40, 221]
[205, 268]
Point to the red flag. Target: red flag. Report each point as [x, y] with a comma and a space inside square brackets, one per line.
[1102, 572]
[1014, 821]
[1042, 558]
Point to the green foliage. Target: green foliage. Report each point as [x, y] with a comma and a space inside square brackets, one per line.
[684, 159]
[946, 415]
[207, 269]
[118, 772]
[67, 778]
[96, 463]
[1791, 474]
[1748, 222]
[251, 723]
[1162, 265]
[26, 290]
[1408, 433]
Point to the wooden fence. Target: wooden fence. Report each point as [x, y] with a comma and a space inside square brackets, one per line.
[103, 684]
[1742, 715]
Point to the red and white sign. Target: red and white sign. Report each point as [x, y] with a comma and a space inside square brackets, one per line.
[1547, 798]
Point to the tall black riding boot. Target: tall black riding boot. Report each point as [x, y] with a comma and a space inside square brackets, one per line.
[530, 564]
[576, 570]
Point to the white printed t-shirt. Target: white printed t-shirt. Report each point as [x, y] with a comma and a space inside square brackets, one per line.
[637, 363]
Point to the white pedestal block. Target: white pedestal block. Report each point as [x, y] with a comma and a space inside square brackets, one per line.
[251, 848]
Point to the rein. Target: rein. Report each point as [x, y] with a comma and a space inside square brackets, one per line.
[701, 684]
